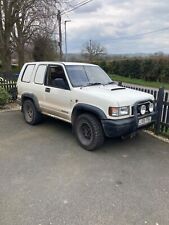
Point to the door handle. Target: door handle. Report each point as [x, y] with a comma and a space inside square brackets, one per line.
[47, 89]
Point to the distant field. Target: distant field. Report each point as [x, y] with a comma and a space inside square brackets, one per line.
[139, 82]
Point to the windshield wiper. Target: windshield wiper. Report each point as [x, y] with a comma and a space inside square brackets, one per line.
[111, 82]
[92, 84]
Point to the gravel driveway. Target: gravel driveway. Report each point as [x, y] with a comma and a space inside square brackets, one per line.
[46, 178]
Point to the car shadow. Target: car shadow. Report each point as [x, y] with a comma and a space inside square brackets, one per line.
[110, 144]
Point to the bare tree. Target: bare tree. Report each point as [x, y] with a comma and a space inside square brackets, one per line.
[8, 11]
[22, 31]
[13, 14]
[34, 19]
[93, 50]
[20, 20]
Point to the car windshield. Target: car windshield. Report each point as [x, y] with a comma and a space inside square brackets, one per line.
[87, 75]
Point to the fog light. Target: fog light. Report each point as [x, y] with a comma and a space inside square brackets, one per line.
[151, 107]
[143, 109]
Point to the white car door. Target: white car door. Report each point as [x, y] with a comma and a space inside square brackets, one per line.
[57, 93]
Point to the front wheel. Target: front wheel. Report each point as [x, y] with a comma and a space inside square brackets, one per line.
[89, 132]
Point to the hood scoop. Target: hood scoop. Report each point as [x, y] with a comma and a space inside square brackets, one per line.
[118, 88]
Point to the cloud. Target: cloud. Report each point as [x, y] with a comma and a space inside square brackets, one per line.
[90, 7]
[105, 21]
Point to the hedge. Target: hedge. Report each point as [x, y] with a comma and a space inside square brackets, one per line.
[148, 68]
[4, 97]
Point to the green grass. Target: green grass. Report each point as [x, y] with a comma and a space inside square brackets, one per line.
[140, 82]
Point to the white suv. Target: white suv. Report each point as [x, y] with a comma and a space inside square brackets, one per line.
[85, 96]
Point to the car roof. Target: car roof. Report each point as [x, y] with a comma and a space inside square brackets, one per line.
[63, 63]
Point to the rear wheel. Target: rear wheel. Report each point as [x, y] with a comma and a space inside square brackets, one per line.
[31, 115]
[89, 131]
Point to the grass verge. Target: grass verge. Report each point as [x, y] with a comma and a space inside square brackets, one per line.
[140, 82]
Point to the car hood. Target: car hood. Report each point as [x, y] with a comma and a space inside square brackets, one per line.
[120, 96]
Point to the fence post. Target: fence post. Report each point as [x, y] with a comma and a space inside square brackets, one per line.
[159, 109]
[120, 83]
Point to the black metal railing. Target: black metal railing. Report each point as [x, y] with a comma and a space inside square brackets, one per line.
[10, 87]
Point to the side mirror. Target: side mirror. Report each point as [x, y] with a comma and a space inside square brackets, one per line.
[60, 83]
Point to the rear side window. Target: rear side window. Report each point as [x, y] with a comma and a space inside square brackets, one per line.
[27, 73]
[40, 74]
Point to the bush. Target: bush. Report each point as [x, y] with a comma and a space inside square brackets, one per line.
[4, 97]
[152, 68]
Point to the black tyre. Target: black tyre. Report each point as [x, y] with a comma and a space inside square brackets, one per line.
[89, 132]
[31, 115]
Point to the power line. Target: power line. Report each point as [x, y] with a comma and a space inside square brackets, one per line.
[59, 18]
[141, 34]
[80, 4]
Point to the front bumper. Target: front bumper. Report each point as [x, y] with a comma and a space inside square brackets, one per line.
[117, 128]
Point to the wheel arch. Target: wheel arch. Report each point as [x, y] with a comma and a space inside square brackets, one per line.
[85, 108]
[31, 97]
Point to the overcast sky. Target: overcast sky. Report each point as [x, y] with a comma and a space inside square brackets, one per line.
[114, 24]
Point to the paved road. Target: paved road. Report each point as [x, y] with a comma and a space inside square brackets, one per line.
[46, 178]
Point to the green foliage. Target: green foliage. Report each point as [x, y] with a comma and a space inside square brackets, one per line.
[155, 68]
[154, 84]
[4, 96]
[44, 49]
[14, 68]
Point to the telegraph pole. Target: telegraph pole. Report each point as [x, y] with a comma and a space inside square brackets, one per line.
[60, 34]
[90, 53]
[66, 21]
[90, 44]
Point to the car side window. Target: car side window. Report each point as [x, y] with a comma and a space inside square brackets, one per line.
[56, 77]
[26, 77]
[40, 74]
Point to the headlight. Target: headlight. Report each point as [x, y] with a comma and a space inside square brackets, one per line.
[119, 111]
[151, 107]
[143, 109]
